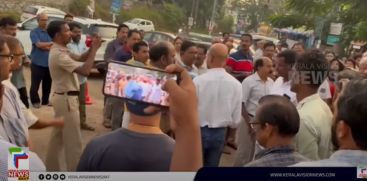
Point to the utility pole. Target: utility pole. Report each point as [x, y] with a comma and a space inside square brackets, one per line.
[196, 12]
[211, 24]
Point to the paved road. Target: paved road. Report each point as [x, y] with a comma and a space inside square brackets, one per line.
[40, 138]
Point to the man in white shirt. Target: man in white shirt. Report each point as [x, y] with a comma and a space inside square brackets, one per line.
[220, 93]
[284, 62]
[254, 87]
[314, 137]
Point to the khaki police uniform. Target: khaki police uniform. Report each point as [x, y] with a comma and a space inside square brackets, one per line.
[66, 105]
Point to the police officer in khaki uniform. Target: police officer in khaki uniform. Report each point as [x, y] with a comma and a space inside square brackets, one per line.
[63, 68]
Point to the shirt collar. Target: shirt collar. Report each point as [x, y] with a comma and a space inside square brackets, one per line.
[56, 45]
[216, 70]
[277, 149]
[350, 156]
[308, 99]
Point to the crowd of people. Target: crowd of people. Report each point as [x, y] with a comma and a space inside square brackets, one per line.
[276, 107]
[136, 84]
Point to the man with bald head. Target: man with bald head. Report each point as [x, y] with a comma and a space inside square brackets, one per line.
[41, 44]
[222, 93]
[363, 67]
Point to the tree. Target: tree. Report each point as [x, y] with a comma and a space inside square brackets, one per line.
[349, 12]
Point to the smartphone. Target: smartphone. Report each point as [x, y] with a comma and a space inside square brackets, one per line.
[136, 83]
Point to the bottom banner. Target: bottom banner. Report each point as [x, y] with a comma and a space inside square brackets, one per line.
[282, 173]
[107, 176]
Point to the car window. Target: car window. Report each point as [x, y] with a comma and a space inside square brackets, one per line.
[142, 23]
[148, 36]
[106, 32]
[149, 23]
[30, 24]
[134, 21]
[50, 11]
[30, 10]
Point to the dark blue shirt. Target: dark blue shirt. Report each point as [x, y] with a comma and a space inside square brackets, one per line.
[38, 56]
[123, 55]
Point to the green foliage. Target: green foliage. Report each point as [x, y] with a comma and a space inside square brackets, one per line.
[173, 16]
[102, 11]
[13, 14]
[225, 24]
[78, 7]
[166, 17]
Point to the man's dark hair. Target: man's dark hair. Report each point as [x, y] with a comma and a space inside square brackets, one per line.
[186, 45]
[352, 109]
[258, 63]
[204, 47]
[289, 57]
[356, 56]
[278, 111]
[340, 64]
[248, 35]
[224, 34]
[68, 16]
[157, 51]
[55, 27]
[7, 21]
[313, 64]
[131, 32]
[122, 26]
[177, 38]
[137, 46]
[74, 25]
[269, 44]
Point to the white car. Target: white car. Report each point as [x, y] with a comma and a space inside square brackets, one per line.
[140, 24]
[105, 29]
[31, 11]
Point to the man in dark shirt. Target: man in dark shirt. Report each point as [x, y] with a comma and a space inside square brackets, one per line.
[114, 45]
[125, 53]
[142, 146]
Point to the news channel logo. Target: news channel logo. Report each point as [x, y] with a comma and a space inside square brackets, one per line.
[362, 171]
[18, 164]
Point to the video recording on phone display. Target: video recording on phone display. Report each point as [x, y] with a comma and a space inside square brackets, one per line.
[137, 84]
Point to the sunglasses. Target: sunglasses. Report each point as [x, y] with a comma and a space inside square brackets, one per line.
[11, 56]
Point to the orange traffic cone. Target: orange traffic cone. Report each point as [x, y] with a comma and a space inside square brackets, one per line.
[88, 99]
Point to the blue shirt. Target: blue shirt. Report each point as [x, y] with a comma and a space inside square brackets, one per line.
[133, 90]
[78, 48]
[123, 54]
[38, 56]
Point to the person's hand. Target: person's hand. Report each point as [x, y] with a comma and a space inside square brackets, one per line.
[96, 41]
[58, 122]
[182, 98]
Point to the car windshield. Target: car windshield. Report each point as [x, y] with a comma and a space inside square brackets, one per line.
[30, 10]
[106, 32]
[134, 21]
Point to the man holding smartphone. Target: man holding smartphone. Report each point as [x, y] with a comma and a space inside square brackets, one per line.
[63, 68]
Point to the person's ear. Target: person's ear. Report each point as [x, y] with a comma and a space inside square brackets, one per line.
[268, 130]
[342, 130]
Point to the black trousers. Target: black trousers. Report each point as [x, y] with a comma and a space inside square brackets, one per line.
[23, 96]
[40, 74]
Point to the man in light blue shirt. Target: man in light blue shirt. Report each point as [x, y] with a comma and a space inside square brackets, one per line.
[77, 47]
[349, 129]
[41, 44]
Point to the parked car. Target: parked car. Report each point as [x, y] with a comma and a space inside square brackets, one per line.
[31, 11]
[198, 38]
[89, 26]
[152, 37]
[140, 24]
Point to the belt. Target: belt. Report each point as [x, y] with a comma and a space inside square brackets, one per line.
[69, 93]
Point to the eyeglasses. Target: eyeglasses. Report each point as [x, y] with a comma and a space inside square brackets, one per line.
[11, 56]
